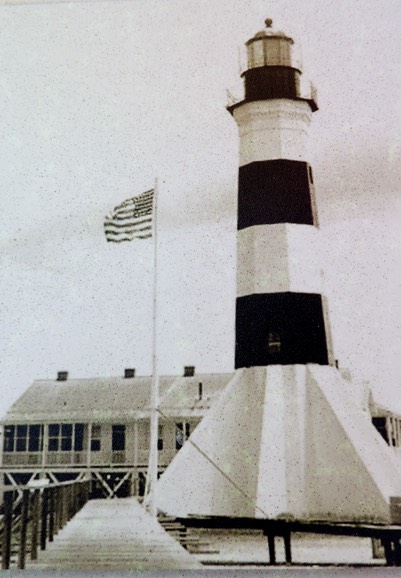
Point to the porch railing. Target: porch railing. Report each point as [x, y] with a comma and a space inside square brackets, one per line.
[29, 523]
[80, 459]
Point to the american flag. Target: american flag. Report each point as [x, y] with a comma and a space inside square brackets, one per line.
[131, 220]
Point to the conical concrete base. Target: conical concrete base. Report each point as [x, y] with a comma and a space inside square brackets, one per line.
[283, 441]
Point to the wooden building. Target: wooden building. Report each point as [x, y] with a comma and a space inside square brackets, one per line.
[100, 427]
[70, 428]
[388, 424]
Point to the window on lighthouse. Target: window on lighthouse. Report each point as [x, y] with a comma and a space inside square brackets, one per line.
[274, 343]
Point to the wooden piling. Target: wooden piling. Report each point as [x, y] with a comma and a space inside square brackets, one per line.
[272, 548]
[7, 526]
[23, 529]
[287, 547]
[51, 513]
[35, 524]
[44, 515]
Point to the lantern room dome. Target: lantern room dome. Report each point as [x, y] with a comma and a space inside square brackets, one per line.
[269, 32]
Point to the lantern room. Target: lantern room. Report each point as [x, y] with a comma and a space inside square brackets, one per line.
[273, 69]
[271, 48]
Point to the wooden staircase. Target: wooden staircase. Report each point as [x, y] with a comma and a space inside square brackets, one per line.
[188, 538]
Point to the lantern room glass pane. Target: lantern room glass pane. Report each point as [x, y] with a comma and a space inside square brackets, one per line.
[258, 55]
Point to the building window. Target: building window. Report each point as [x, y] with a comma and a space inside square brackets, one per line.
[182, 433]
[118, 438]
[380, 425]
[160, 438]
[54, 435]
[79, 437]
[9, 433]
[274, 343]
[65, 437]
[95, 441]
[35, 439]
[23, 438]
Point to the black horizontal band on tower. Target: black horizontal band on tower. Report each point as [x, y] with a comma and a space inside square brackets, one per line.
[266, 82]
[280, 328]
[275, 191]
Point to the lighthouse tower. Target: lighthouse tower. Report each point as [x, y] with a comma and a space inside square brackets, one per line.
[280, 312]
[285, 438]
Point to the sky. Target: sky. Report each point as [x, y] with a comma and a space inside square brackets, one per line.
[98, 98]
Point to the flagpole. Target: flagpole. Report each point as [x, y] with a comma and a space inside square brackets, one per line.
[154, 415]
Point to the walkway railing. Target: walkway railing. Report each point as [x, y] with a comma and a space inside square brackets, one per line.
[31, 522]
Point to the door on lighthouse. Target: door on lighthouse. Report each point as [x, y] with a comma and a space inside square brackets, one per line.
[274, 343]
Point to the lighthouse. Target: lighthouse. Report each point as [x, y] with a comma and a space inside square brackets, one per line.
[281, 314]
[286, 437]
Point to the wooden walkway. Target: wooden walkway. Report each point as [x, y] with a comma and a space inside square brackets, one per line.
[113, 535]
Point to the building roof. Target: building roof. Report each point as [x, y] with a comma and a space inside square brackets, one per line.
[378, 410]
[102, 399]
